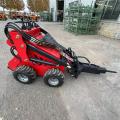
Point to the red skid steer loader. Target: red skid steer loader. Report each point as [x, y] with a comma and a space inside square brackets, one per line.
[36, 53]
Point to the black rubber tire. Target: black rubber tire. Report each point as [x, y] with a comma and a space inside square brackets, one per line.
[26, 71]
[54, 73]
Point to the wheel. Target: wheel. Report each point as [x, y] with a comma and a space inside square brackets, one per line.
[24, 74]
[54, 78]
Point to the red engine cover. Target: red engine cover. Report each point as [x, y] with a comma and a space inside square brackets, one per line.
[25, 53]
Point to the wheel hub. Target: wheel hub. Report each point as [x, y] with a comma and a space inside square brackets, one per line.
[53, 81]
[22, 78]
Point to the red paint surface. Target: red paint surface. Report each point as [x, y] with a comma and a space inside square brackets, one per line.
[25, 53]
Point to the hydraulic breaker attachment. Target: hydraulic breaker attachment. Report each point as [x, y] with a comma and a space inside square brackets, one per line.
[78, 67]
[92, 68]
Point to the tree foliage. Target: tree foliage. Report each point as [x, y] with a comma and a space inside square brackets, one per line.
[12, 4]
[19, 4]
[38, 5]
[2, 3]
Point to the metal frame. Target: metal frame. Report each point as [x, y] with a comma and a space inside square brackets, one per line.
[106, 6]
[83, 16]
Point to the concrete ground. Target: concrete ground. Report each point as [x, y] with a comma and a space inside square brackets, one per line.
[90, 97]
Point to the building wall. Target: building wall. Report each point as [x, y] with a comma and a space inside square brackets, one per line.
[119, 18]
[53, 5]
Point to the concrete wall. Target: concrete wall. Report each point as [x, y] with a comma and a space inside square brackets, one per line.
[110, 29]
[53, 4]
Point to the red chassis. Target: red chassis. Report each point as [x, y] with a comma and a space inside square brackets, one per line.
[25, 53]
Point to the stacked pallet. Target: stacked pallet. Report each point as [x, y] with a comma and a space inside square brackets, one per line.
[81, 19]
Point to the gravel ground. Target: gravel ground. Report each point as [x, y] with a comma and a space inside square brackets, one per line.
[90, 97]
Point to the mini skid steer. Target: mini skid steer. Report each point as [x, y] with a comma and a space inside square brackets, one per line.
[36, 53]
